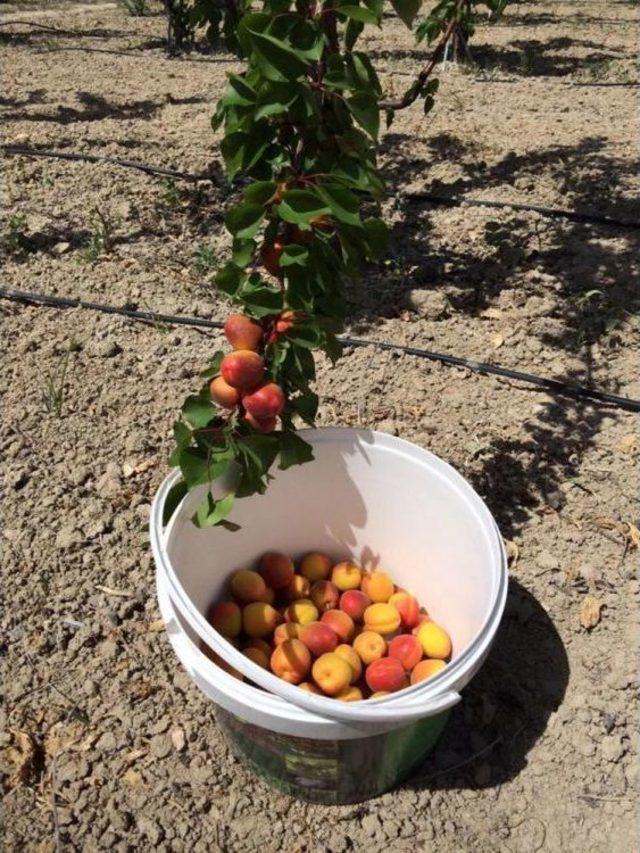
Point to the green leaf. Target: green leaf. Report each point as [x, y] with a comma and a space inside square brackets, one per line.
[377, 237]
[210, 372]
[243, 252]
[308, 335]
[293, 450]
[301, 206]
[306, 406]
[358, 13]
[238, 92]
[198, 411]
[343, 203]
[174, 496]
[294, 255]
[364, 108]
[351, 33]
[229, 278]
[277, 61]
[199, 466]
[260, 192]
[211, 512]
[244, 220]
[406, 10]
[260, 299]
[333, 348]
[262, 449]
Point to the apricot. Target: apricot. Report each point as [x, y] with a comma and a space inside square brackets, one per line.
[247, 586]
[270, 255]
[299, 587]
[425, 669]
[285, 322]
[318, 638]
[259, 619]
[331, 673]
[269, 595]
[325, 595]
[346, 576]
[226, 617]
[340, 622]
[354, 602]
[386, 674]
[379, 694]
[381, 617]
[352, 658]
[257, 656]
[267, 425]
[214, 657]
[276, 569]
[408, 608]
[266, 402]
[423, 617]
[286, 631]
[310, 688]
[378, 586]
[291, 661]
[223, 394]
[242, 369]
[242, 332]
[315, 566]
[407, 649]
[350, 694]
[369, 646]
[302, 611]
[262, 645]
[434, 640]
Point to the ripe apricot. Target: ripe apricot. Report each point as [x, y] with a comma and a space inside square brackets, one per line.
[381, 617]
[434, 640]
[214, 657]
[298, 588]
[259, 619]
[285, 322]
[346, 576]
[349, 694]
[386, 674]
[223, 394]
[302, 611]
[425, 669]
[270, 255]
[325, 595]
[267, 425]
[378, 586]
[257, 643]
[331, 673]
[310, 688]
[257, 656]
[318, 638]
[276, 569]
[354, 602]
[247, 586]
[369, 646]
[352, 658]
[291, 661]
[408, 608]
[242, 369]
[226, 617]
[315, 566]
[286, 631]
[266, 402]
[242, 332]
[340, 622]
[379, 694]
[269, 595]
[422, 617]
[407, 649]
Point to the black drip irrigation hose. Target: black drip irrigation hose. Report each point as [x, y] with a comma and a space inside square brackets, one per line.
[446, 201]
[553, 386]
[571, 215]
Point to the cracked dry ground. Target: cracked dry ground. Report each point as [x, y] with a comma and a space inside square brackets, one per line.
[105, 743]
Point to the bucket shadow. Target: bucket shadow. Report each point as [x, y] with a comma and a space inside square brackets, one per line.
[506, 708]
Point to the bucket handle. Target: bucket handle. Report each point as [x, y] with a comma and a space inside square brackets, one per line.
[388, 709]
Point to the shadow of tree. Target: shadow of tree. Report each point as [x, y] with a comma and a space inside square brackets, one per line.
[35, 96]
[506, 708]
[536, 58]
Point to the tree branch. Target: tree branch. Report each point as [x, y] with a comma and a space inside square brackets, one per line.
[415, 89]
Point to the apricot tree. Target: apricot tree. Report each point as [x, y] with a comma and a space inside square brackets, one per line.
[301, 125]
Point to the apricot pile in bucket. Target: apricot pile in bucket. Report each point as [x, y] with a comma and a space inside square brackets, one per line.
[331, 628]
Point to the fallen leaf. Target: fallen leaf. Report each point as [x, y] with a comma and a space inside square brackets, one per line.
[134, 755]
[513, 552]
[628, 443]
[109, 590]
[497, 341]
[131, 470]
[590, 612]
[177, 738]
[60, 737]
[21, 756]
[132, 777]
[632, 533]
[158, 625]
[491, 314]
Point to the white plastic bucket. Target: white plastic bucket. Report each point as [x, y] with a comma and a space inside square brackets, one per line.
[369, 496]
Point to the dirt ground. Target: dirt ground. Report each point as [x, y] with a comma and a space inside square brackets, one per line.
[105, 742]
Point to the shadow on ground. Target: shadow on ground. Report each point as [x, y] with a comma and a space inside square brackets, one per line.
[506, 708]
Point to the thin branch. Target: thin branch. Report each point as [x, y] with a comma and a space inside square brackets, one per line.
[414, 90]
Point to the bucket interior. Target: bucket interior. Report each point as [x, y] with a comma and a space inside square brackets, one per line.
[366, 496]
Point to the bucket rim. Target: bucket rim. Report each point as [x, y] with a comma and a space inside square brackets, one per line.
[451, 679]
